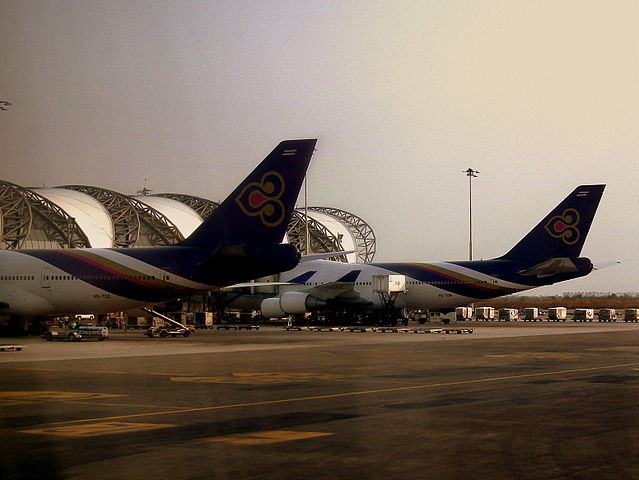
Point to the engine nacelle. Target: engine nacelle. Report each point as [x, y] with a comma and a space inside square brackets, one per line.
[290, 303]
[270, 308]
[299, 302]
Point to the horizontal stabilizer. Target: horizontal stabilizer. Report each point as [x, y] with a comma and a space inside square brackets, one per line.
[551, 267]
[602, 265]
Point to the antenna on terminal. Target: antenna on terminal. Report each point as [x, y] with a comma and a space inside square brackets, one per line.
[145, 191]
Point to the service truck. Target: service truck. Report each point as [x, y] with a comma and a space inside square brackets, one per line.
[77, 333]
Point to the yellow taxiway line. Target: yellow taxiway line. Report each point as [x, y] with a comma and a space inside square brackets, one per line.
[350, 394]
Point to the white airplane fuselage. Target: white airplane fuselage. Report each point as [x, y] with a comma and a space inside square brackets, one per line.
[437, 292]
[30, 286]
[239, 241]
[548, 254]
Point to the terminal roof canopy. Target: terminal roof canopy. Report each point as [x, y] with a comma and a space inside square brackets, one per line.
[89, 216]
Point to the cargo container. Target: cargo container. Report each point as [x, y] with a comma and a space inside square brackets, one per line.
[463, 313]
[508, 314]
[203, 319]
[583, 315]
[137, 322]
[631, 315]
[607, 315]
[557, 314]
[531, 314]
[484, 313]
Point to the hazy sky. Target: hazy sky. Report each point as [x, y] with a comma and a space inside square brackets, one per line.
[539, 96]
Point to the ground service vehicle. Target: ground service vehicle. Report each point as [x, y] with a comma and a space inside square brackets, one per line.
[166, 326]
[82, 332]
[167, 330]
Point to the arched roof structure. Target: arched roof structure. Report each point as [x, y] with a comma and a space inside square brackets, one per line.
[202, 206]
[15, 221]
[363, 234]
[125, 219]
[89, 216]
[35, 222]
[92, 218]
[185, 219]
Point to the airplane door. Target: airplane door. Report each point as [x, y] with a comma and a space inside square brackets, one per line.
[165, 274]
[45, 278]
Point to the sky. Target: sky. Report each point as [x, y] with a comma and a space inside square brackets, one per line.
[539, 96]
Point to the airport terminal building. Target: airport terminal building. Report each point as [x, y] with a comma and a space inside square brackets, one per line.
[82, 216]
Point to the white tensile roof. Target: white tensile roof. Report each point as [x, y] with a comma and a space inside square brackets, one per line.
[182, 216]
[92, 218]
[338, 229]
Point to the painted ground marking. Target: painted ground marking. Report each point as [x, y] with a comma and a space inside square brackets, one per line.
[267, 437]
[262, 378]
[96, 429]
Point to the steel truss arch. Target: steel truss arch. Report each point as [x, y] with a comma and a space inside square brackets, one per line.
[15, 216]
[125, 218]
[365, 241]
[203, 207]
[322, 240]
[155, 226]
[59, 227]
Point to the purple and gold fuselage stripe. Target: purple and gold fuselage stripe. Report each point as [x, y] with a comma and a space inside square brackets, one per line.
[117, 269]
[448, 274]
[449, 280]
[108, 275]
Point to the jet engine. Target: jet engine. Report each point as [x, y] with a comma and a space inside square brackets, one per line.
[290, 303]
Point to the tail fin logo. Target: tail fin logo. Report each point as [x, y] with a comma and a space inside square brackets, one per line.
[564, 226]
[263, 199]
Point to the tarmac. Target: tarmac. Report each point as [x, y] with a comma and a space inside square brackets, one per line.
[523, 401]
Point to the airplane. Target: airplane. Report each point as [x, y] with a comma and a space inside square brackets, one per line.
[549, 253]
[240, 241]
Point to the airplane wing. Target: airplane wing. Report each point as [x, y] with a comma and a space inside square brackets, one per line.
[324, 256]
[300, 280]
[339, 287]
[255, 284]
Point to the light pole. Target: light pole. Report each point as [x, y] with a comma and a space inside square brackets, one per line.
[307, 234]
[470, 173]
